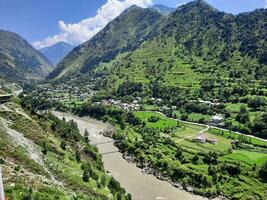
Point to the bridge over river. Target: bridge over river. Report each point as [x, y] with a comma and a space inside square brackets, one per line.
[141, 186]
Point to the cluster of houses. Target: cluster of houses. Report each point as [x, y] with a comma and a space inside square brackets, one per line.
[214, 102]
[65, 92]
[202, 138]
[133, 106]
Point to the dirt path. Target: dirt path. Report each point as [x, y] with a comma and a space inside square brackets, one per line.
[200, 132]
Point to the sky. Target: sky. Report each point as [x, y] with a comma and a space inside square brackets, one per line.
[46, 22]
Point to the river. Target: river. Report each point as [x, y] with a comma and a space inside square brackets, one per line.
[141, 186]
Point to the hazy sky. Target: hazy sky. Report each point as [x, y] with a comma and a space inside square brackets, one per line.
[45, 22]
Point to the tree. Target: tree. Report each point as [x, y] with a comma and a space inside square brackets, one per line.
[28, 195]
[63, 145]
[128, 197]
[263, 171]
[86, 136]
[78, 156]
[184, 117]
[86, 175]
[114, 186]
[212, 170]
[243, 115]
[256, 103]
[195, 159]
[260, 125]
[179, 153]
[103, 180]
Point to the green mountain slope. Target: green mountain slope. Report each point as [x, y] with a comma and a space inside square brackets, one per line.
[123, 34]
[19, 60]
[43, 157]
[195, 43]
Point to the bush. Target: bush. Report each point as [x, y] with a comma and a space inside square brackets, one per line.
[86, 175]
[263, 171]
[153, 119]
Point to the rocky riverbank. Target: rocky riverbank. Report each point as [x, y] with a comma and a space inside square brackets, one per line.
[147, 169]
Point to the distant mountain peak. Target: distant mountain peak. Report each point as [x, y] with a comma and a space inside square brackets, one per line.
[57, 51]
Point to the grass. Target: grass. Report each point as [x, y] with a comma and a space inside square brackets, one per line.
[62, 164]
[233, 136]
[161, 124]
[248, 157]
[162, 156]
[234, 107]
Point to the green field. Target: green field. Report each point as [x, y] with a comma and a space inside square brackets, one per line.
[170, 148]
[248, 157]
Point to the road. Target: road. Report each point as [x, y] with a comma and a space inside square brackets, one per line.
[215, 127]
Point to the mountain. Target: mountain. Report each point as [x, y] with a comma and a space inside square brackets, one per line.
[195, 43]
[57, 52]
[19, 60]
[125, 33]
[165, 10]
[196, 40]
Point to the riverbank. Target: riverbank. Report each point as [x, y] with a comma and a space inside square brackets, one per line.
[142, 186]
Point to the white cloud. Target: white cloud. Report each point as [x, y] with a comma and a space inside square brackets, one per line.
[84, 30]
[265, 3]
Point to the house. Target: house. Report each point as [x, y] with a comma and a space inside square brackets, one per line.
[200, 138]
[217, 119]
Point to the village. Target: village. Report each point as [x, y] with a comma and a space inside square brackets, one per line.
[64, 92]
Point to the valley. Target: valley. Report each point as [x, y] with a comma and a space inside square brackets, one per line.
[140, 185]
[160, 103]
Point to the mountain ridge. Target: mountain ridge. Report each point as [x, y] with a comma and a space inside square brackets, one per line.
[133, 26]
[19, 60]
[201, 30]
[165, 10]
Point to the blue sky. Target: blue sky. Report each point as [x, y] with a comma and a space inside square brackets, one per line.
[45, 22]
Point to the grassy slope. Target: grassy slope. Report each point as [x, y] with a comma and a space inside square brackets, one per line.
[25, 173]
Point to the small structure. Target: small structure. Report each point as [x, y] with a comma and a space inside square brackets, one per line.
[200, 138]
[5, 98]
[213, 141]
[217, 119]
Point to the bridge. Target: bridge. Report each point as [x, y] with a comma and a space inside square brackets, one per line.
[106, 142]
[109, 152]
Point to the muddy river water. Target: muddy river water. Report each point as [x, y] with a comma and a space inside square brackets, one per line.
[141, 186]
